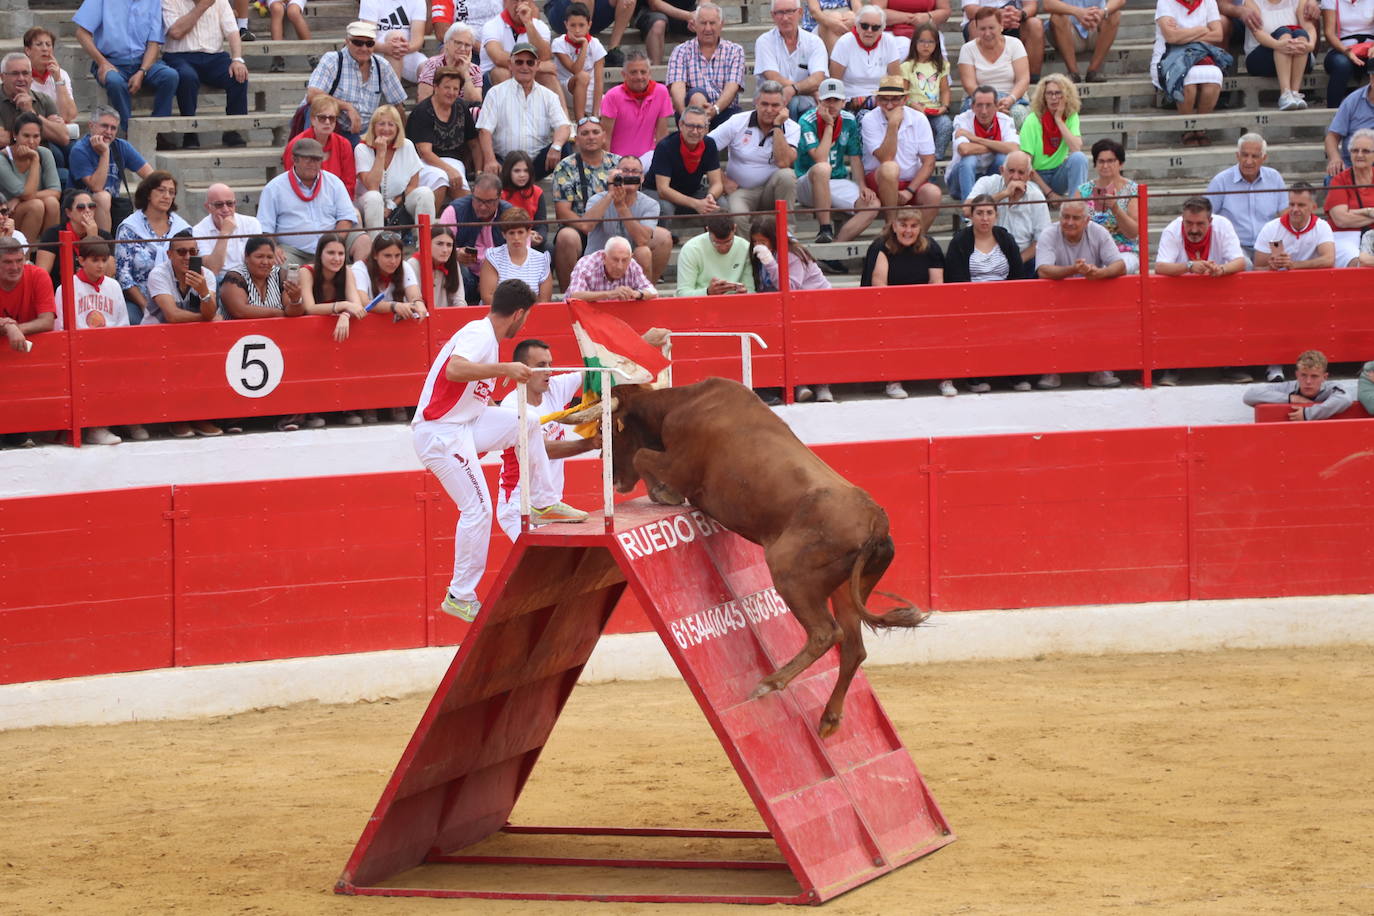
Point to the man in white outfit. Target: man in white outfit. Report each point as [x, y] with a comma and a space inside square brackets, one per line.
[455, 423]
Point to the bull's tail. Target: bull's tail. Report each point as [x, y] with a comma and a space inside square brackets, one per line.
[905, 614]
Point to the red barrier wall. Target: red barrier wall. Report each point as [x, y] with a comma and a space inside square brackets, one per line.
[122, 580]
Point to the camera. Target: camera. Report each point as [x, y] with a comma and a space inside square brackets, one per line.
[630, 180]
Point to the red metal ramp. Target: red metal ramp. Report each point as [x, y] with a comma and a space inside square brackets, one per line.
[842, 811]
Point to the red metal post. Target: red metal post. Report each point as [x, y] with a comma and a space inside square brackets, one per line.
[782, 230]
[67, 254]
[427, 276]
[1146, 346]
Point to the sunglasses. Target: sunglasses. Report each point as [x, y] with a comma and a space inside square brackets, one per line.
[222, 204]
[870, 27]
[183, 252]
[362, 42]
[326, 119]
[589, 120]
[79, 207]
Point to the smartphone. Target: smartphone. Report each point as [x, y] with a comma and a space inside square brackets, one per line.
[470, 250]
[293, 273]
[195, 263]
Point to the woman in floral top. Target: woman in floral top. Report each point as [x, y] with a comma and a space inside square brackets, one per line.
[1112, 201]
[154, 218]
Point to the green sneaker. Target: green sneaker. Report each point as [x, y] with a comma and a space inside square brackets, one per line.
[463, 610]
[558, 512]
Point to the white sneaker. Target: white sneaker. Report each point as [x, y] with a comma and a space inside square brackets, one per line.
[1300, 100]
[99, 435]
[1104, 379]
[1286, 101]
[1168, 378]
[895, 390]
[313, 421]
[1021, 385]
[946, 388]
[136, 432]
[980, 387]
[823, 395]
[804, 393]
[1048, 381]
[1273, 374]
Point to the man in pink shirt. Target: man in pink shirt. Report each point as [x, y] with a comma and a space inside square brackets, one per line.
[638, 113]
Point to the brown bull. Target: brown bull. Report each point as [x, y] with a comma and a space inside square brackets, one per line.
[715, 445]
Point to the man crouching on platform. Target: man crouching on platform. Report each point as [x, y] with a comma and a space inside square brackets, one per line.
[1313, 395]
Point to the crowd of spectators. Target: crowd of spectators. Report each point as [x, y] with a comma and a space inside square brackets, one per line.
[851, 111]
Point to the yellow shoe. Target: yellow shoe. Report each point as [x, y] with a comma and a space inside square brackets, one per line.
[558, 512]
[463, 610]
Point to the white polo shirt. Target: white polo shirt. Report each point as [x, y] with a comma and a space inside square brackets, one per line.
[914, 140]
[863, 69]
[964, 121]
[1225, 243]
[770, 53]
[1299, 247]
[751, 149]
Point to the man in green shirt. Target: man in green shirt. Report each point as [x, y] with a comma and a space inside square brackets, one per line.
[828, 160]
[716, 262]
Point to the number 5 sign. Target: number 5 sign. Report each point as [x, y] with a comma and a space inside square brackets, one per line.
[254, 366]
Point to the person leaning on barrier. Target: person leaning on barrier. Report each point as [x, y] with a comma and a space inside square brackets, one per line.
[197, 32]
[792, 57]
[1080, 26]
[762, 148]
[982, 252]
[262, 287]
[1298, 239]
[445, 136]
[1077, 247]
[624, 210]
[98, 303]
[983, 137]
[1261, 193]
[447, 273]
[123, 44]
[1313, 395]
[181, 293]
[358, 78]
[716, 262]
[904, 255]
[1021, 207]
[517, 259]
[830, 167]
[899, 152]
[27, 306]
[219, 252]
[78, 218]
[303, 201]
[610, 273]
[684, 176]
[707, 71]
[1365, 387]
[578, 178]
[1113, 201]
[328, 288]
[521, 114]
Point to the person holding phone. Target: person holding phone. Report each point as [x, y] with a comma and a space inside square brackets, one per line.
[715, 263]
[182, 291]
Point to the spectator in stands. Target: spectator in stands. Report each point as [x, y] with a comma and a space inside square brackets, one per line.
[519, 24]
[1366, 387]
[1018, 19]
[17, 97]
[26, 297]
[445, 135]
[516, 259]
[618, 14]
[1187, 63]
[78, 217]
[983, 138]
[389, 173]
[1298, 239]
[982, 252]
[358, 79]
[384, 272]
[802, 273]
[473, 218]
[685, 174]
[338, 151]
[579, 60]
[1021, 207]
[762, 147]
[303, 200]
[28, 177]
[218, 251]
[197, 31]
[995, 59]
[1053, 138]
[1261, 191]
[624, 210]
[98, 304]
[1347, 30]
[927, 80]
[401, 27]
[904, 255]
[1199, 244]
[328, 288]
[829, 167]
[1112, 201]
[281, 11]
[654, 19]
[447, 280]
[1346, 210]
[521, 114]
[906, 17]
[1313, 395]
[579, 178]
[241, 18]
[791, 57]
[707, 72]
[1078, 247]
[181, 293]
[519, 190]
[98, 161]
[123, 43]
[610, 272]
[7, 229]
[155, 220]
[715, 263]
[260, 287]
[49, 79]
[639, 112]
[459, 42]
[1281, 46]
[862, 57]
[1355, 112]
[899, 152]
[1080, 26]
[829, 19]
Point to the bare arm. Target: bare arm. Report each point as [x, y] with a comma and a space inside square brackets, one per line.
[183, 26]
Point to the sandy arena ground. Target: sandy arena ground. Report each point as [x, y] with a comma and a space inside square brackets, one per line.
[1230, 782]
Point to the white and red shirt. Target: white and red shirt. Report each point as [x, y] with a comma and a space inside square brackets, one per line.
[1301, 246]
[562, 387]
[443, 401]
[1223, 246]
[99, 306]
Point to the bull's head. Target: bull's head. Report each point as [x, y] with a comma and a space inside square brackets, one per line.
[629, 431]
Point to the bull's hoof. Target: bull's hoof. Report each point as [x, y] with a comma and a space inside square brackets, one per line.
[665, 496]
[763, 689]
[829, 725]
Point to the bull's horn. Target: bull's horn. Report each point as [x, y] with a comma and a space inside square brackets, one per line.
[588, 414]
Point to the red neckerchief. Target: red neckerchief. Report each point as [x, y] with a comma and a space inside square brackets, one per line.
[1192, 5]
[574, 43]
[641, 96]
[384, 280]
[85, 277]
[691, 158]
[442, 268]
[1288, 224]
[988, 133]
[1050, 137]
[517, 29]
[300, 192]
[863, 47]
[835, 128]
[1202, 251]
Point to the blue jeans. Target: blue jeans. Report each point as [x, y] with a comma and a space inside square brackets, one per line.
[799, 106]
[162, 79]
[1068, 175]
[196, 67]
[1339, 72]
[960, 179]
[942, 129]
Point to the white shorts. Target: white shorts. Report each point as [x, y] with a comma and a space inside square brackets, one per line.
[1347, 246]
[431, 176]
[1202, 75]
[296, 3]
[844, 194]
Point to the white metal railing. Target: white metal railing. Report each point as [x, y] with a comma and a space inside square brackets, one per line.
[745, 351]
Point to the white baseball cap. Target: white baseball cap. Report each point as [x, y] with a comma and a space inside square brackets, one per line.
[831, 89]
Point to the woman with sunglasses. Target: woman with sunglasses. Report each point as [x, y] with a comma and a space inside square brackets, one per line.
[448, 276]
[338, 152]
[866, 55]
[154, 219]
[78, 211]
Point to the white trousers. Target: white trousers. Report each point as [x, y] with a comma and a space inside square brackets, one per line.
[433, 177]
[451, 451]
[420, 200]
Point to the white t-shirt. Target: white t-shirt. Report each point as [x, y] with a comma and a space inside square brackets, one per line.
[1356, 16]
[1276, 15]
[863, 69]
[393, 15]
[233, 249]
[96, 306]
[999, 74]
[964, 120]
[1225, 243]
[914, 140]
[1172, 9]
[161, 282]
[405, 165]
[363, 280]
[1299, 247]
[595, 52]
[497, 30]
[459, 402]
[562, 387]
[751, 150]
[770, 53]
